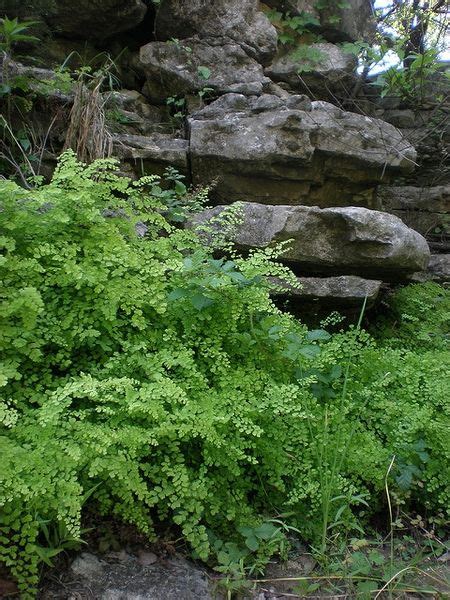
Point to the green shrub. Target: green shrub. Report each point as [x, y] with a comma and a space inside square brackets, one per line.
[129, 366]
[399, 403]
[155, 382]
[418, 318]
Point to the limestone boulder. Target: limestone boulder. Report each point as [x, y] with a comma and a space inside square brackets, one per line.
[349, 240]
[328, 73]
[348, 21]
[89, 19]
[341, 292]
[188, 67]
[239, 20]
[292, 151]
[367, 140]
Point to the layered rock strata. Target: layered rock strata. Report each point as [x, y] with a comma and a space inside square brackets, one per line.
[261, 121]
[293, 151]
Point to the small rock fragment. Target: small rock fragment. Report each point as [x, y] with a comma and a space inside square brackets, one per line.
[147, 558]
[87, 565]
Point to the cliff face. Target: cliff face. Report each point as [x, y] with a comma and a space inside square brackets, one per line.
[214, 93]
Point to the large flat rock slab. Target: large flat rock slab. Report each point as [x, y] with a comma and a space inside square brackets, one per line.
[342, 292]
[351, 241]
[292, 151]
[156, 152]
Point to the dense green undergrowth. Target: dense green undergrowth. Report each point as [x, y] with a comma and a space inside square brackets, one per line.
[153, 382]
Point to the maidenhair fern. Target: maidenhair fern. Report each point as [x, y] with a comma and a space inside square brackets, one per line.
[157, 382]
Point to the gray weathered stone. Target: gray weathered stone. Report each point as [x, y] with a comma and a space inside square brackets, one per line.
[425, 209]
[349, 240]
[40, 81]
[175, 580]
[407, 197]
[128, 111]
[405, 118]
[157, 151]
[240, 20]
[371, 141]
[264, 150]
[331, 72]
[175, 69]
[355, 21]
[124, 576]
[438, 270]
[344, 291]
[88, 566]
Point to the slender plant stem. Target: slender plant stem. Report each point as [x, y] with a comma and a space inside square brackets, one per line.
[338, 452]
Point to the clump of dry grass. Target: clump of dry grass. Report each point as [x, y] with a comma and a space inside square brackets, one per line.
[87, 133]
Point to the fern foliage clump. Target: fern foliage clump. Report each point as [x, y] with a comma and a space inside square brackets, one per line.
[144, 376]
[133, 366]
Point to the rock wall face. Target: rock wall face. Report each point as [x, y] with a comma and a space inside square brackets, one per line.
[87, 19]
[238, 20]
[292, 150]
[425, 209]
[299, 142]
[334, 71]
[175, 67]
